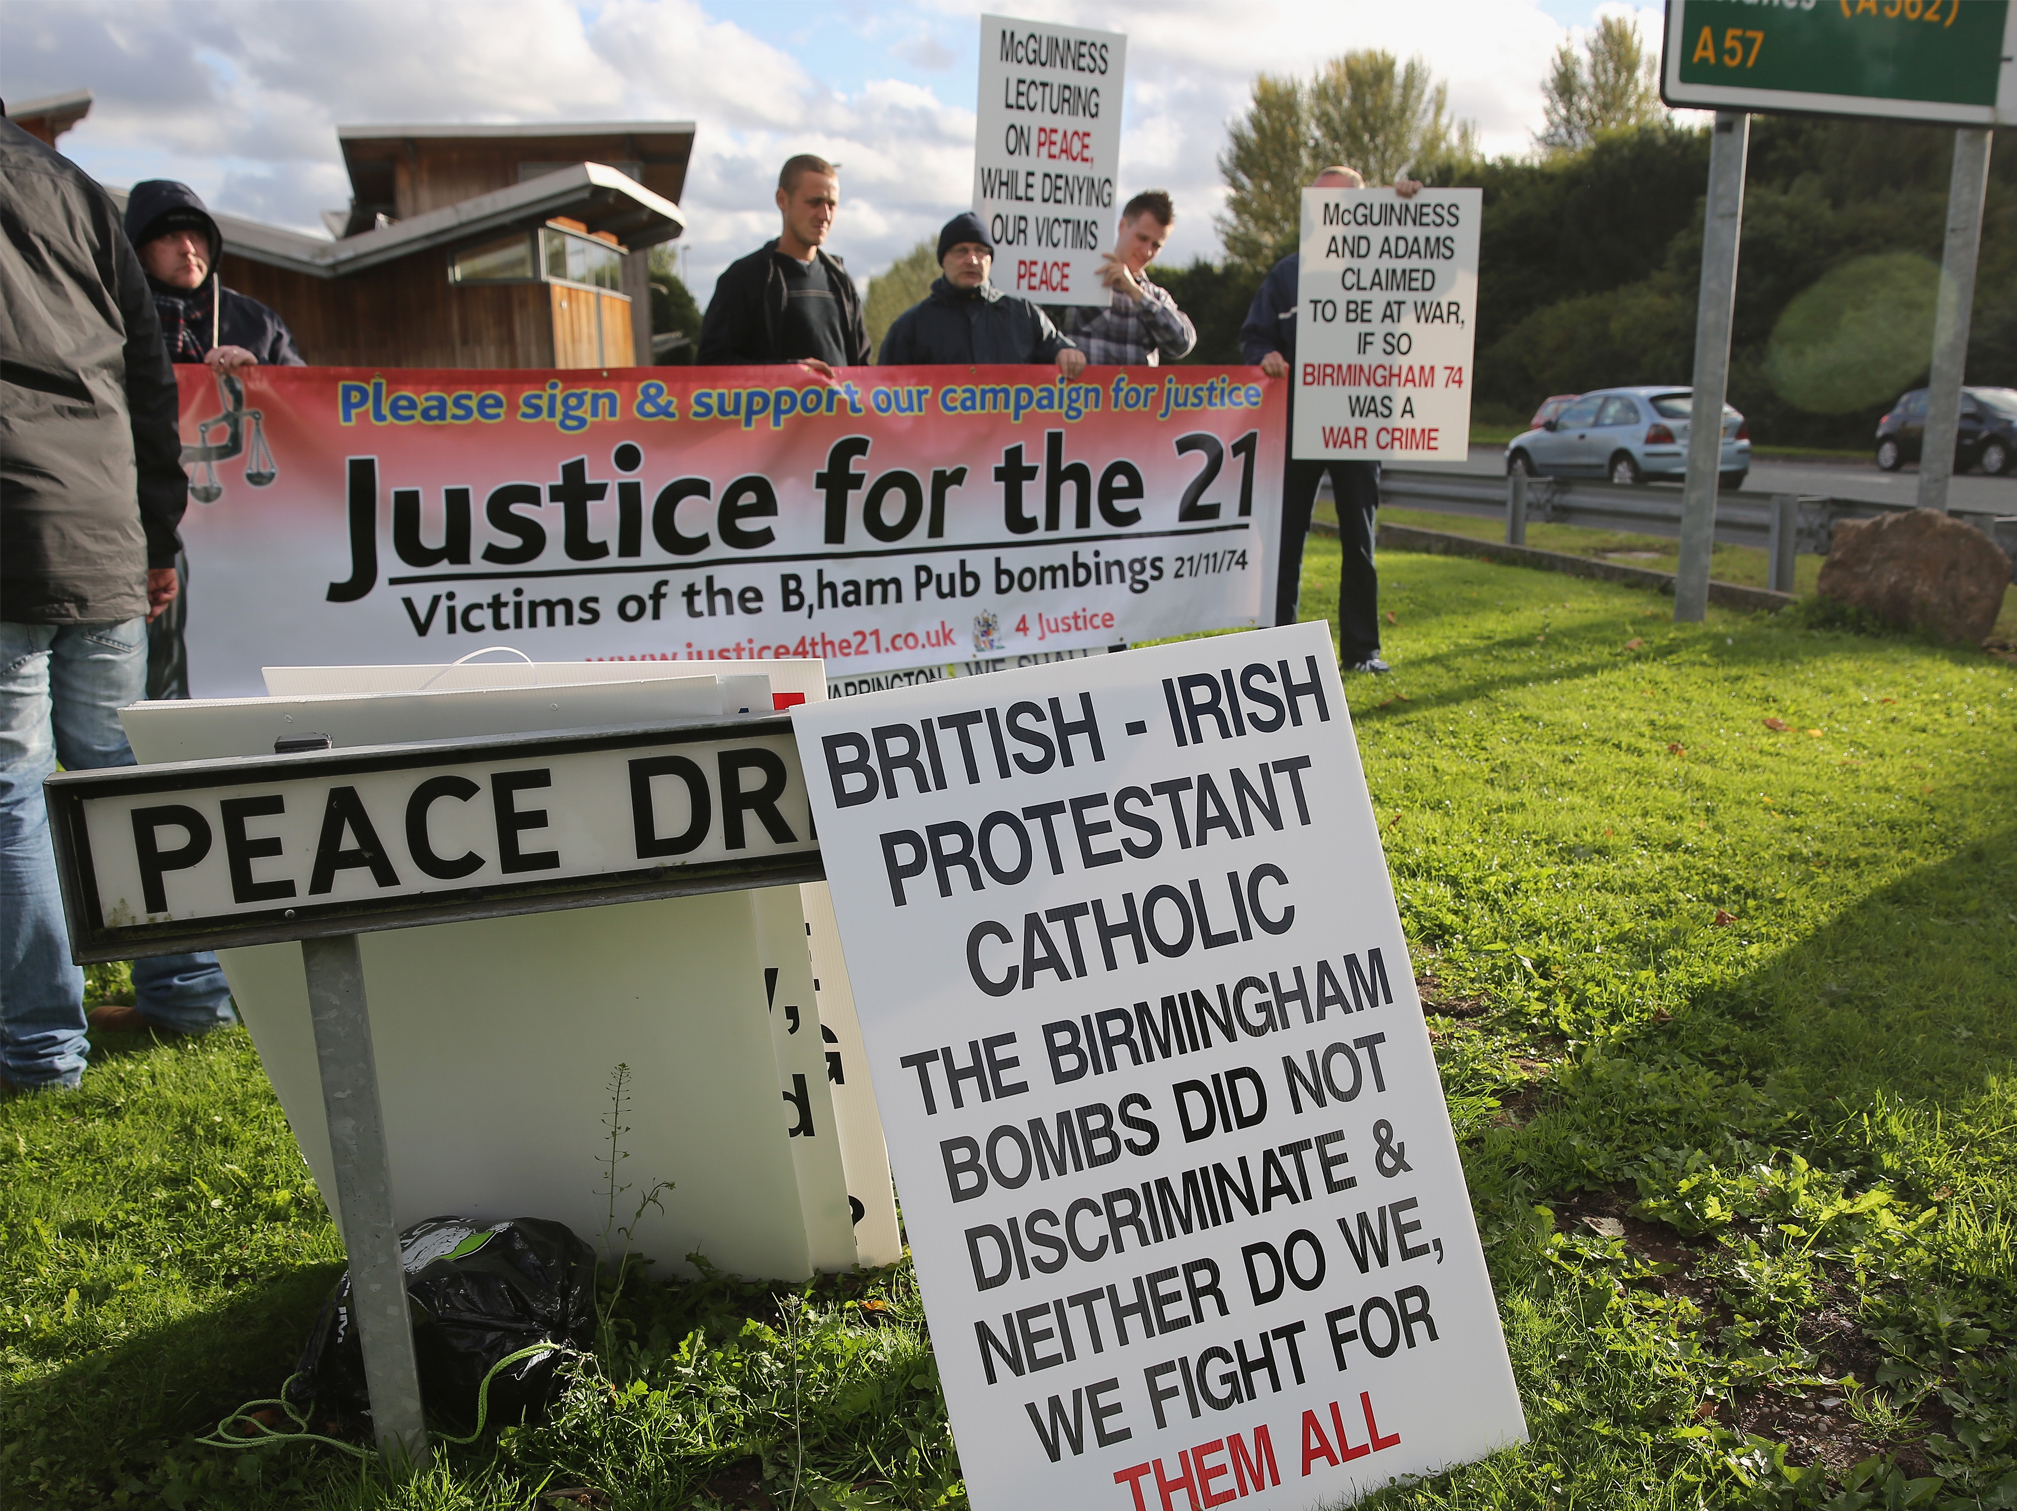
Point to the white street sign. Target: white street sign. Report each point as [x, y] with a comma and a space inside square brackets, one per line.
[256, 849]
[1385, 325]
[1046, 152]
[1175, 1163]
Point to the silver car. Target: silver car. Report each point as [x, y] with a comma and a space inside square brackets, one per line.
[1629, 435]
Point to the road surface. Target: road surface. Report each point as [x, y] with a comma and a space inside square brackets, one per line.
[1862, 480]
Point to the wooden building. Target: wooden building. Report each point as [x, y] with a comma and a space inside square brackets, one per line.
[51, 115]
[477, 246]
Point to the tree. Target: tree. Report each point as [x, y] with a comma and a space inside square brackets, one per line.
[1364, 109]
[899, 286]
[1371, 113]
[1614, 90]
[673, 311]
[1265, 166]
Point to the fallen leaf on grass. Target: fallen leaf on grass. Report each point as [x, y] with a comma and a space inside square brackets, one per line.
[1605, 1227]
[1661, 1015]
[1392, 618]
[1396, 698]
[1634, 643]
[1677, 750]
[1887, 700]
[1723, 919]
[575, 1495]
[1777, 725]
[1816, 733]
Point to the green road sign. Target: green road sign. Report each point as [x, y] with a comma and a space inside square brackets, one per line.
[1918, 60]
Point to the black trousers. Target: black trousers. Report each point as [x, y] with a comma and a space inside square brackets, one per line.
[1356, 487]
[167, 656]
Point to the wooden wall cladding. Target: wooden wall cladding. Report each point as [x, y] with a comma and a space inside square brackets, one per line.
[407, 314]
[591, 328]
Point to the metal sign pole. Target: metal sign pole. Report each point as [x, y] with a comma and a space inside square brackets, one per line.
[1965, 192]
[1723, 220]
[336, 1002]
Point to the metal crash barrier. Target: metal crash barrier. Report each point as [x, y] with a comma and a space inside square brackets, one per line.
[1784, 525]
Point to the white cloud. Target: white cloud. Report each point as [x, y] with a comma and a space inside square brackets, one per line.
[241, 98]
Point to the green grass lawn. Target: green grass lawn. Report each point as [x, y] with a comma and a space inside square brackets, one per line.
[1726, 1014]
[1746, 566]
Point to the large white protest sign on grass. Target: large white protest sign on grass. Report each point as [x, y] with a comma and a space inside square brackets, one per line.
[1385, 324]
[1175, 1162]
[1047, 148]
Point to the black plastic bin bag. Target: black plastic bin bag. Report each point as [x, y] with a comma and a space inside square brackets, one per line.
[478, 1293]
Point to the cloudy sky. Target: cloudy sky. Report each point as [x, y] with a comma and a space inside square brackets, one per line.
[240, 98]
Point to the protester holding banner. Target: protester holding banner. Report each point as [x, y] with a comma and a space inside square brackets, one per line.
[91, 493]
[966, 319]
[201, 321]
[1269, 339]
[790, 300]
[1142, 324]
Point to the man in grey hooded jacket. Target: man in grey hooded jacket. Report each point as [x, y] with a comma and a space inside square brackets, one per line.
[91, 494]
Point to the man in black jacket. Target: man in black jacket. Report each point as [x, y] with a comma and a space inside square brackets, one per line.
[966, 319]
[1268, 339]
[91, 493]
[790, 300]
[201, 321]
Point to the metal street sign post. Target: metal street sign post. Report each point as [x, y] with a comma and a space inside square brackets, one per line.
[1965, 195]
[323, 846]
[1722, 222]
[1941, 61]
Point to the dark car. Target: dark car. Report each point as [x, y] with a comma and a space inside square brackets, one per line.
[1987, 437]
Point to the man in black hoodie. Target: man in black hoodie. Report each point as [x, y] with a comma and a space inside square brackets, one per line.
[91, 493]
[201, 321]
[966, 319]
[790, 300]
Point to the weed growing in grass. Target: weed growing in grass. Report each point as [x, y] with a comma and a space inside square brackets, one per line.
[617, 1270]
[1726, 1012]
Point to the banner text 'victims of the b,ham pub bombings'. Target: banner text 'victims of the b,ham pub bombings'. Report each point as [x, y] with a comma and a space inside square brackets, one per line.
[1173, 1155]
[891, 519]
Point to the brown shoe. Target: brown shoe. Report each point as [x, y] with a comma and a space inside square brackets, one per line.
[115, 1017]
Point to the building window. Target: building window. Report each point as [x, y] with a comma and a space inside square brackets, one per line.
[569, 258]
[506, 260]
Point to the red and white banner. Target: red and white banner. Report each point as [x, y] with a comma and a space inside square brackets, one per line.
[897, 517]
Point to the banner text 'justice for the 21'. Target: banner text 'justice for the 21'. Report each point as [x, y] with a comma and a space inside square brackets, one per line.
[889, 519]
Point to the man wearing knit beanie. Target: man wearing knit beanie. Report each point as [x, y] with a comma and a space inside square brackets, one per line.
[966, 319]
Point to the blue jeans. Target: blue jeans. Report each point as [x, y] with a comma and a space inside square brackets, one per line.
[61, 689]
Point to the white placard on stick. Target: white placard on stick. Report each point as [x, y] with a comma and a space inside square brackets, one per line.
[1046, 148]
[1175, 1162]
[1386, 324]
